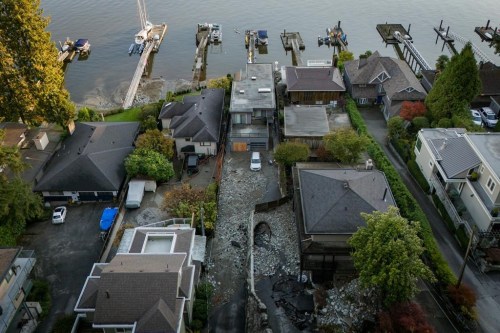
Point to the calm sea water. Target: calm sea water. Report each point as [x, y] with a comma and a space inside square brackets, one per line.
[110, 26]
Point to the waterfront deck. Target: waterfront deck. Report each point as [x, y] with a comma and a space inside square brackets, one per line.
[288, 38]
[152, 44]
[200, 60]
[444, 34]
[387, 30]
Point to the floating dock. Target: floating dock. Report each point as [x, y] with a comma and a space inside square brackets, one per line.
[152, 43]
[212, 31]
[69, 49]
[488, 33]
[334, 37]
[386, 31]
[444, 34]
[288, 38]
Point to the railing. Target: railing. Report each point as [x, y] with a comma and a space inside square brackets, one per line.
[166, 223]
[448, 205]
[407, 43]
[480, 54]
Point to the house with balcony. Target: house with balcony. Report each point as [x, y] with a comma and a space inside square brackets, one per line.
[463, 169]
[328, 201]
[15, 267]
[148, 286]
[195, 123]
[385, 81]
[313, 85]
[252, 107]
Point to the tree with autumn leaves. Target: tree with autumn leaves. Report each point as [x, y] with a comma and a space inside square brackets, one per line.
[410, 110]
[31, 78]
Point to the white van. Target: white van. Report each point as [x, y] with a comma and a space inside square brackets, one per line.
[255, 163]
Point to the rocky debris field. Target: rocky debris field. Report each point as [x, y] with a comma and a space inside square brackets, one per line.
[276, 243]
[239, 191]
[346, 307]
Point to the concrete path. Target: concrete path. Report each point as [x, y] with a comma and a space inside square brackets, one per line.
[487, 286]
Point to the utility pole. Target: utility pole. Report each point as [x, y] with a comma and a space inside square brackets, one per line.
[462, 269]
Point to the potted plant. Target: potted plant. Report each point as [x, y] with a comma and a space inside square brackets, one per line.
[494, 212]
[473, 176]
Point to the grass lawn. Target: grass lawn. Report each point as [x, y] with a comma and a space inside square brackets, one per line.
[180, 97]
[132, 114]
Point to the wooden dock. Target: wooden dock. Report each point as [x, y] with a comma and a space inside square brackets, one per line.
[155, 37]
[386, 31]
[488, 33]
[250, 44]
[444, 34]
[200, 61]
[293, 42]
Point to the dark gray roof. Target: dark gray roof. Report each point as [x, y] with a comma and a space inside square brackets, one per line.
[12, 133]
[314, 79]
[488, 146]
[130, 285]
[7, 257]
[455, 155]
[88, 297]
[306, 121]
[490, 79]
[333, 199]
[400, 75]
[196, 117]
[159, 318]
[91, 159]
[184, 238]
[245, 95]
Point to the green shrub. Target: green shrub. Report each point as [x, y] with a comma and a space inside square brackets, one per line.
[417, 174]
[408, 206]
[204, 291]
[445, 123]
[403, 147]
[200, 310]
[41, 293]
[462, 237]
[196, 325]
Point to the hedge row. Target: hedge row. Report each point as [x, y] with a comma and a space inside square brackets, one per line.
[407, 205]
[417, 174]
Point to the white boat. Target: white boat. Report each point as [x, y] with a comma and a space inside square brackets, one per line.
[142, 35]
[215, 33]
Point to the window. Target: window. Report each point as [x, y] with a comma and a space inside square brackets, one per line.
[363, 100]
[188, 139]
[205, 143]
[9, 275]
[491, 185]
[418, 144]
[362, 85]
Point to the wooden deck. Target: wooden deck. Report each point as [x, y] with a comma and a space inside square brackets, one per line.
[200, 60]
[288, 38]
[386, 31]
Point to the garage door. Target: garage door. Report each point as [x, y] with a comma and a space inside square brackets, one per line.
[239, 146]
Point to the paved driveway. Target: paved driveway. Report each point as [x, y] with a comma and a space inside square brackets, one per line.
[65, 254]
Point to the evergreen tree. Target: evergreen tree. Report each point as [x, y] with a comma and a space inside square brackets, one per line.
[455, 88]
[31, 78]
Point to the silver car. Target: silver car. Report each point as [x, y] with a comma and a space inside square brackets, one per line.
[488, 116]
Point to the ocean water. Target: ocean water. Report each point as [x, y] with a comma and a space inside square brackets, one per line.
[110, 26]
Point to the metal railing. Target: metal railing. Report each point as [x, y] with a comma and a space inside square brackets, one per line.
[407, 43]
[480, 54]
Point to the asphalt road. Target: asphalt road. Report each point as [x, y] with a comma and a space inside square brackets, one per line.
[487, 286]
[65, 254]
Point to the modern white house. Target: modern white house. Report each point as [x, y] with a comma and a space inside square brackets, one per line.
[463, 169]
[148, 286]
[15, 267]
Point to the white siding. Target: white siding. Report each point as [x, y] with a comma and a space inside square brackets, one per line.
[472, 202]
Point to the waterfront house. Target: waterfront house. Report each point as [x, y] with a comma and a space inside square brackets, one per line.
[15, 267]
[328, 201]
[313, 85]
[463, 169]
[148, 286]
[195, 123]
[89, 165]
[382, 80]
[252, 107]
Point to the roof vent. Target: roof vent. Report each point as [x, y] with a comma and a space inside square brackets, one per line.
[242, 92]
[346, 185]
[254, 78]
[264, 90]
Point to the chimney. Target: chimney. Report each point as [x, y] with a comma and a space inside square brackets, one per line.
[363, 59]
[335, 60]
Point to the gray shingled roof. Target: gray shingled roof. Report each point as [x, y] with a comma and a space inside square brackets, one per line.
[401, 76]
[455, 155]
[159, 318]
[314, 79]
[7, 257]
[196, 117]
[332, 199]
[92, 159]
[306, 121]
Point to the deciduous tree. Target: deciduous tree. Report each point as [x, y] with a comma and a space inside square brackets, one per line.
[31, 78]
[155, 140]
[387, 255]
[149, 163]
[223, 82]
[288, 153]
[410, 110]
[345, 145]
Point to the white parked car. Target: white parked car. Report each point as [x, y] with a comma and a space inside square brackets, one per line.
[476, 117]
[255, 162]
[59, 215]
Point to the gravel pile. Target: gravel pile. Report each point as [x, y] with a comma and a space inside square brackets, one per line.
[347, 307]
[276, 244]
[240, 190]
